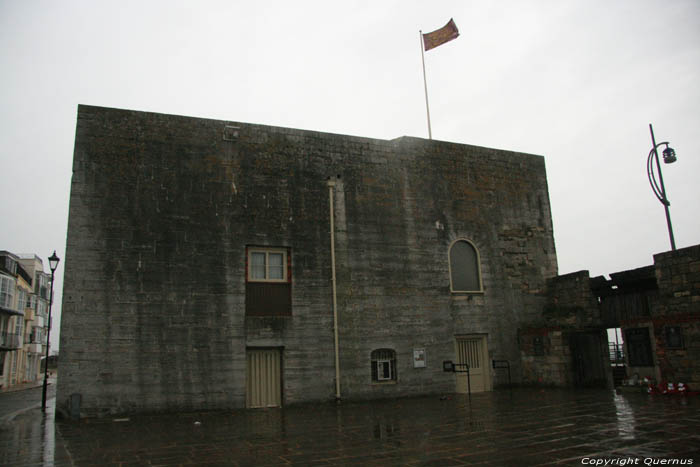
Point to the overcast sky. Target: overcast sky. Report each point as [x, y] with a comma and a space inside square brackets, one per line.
[575, 81]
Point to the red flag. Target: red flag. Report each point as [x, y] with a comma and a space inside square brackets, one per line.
[440, 36]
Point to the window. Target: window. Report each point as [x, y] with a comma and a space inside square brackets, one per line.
[267, 265]
[7, 291]
[674, 337]
[383, 365]
[42, 282]
[19, 322]
[268, 290]
[465, 271]
[9, 265]
[35, 337]
[22, 299]
[41, 308]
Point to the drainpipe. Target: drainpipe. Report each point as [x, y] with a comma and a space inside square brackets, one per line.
[331, 187]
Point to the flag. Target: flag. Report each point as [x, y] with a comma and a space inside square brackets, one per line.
[440, 36]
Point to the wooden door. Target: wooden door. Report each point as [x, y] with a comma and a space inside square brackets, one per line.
[472, 351]
[264, 381]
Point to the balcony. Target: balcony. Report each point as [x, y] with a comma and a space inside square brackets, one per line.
[33, 347]
[10, 341]
[10, 311]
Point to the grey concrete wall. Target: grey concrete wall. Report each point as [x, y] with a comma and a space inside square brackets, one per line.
[162, 208]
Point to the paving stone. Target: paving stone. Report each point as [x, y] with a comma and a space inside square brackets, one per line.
[557, 427]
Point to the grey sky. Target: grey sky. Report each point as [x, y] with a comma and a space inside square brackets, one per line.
[575, 81]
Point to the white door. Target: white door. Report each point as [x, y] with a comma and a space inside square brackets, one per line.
[472, 351]
[263, 375]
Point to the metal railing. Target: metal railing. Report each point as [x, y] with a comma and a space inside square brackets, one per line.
[616, 352]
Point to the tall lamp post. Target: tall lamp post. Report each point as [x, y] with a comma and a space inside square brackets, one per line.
[53, 264]
[658, 187]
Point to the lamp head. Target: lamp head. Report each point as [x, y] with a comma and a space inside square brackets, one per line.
[54, 260]
[669, 155]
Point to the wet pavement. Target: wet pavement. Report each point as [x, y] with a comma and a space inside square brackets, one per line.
[525, 427]
[17, 399]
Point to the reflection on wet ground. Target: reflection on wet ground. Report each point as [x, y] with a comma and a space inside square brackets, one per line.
[525, 427]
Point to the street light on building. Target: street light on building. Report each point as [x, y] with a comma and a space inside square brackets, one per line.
[659, 189]
[53, 264]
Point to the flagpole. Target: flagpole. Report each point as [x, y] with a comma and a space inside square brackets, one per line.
[425, 83]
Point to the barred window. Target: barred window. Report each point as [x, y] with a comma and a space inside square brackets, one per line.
[383, 365]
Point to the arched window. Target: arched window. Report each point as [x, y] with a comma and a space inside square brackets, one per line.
[383, 365]
[465, 271]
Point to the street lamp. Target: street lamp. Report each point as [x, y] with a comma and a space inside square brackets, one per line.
[659, 189]
[53, 264]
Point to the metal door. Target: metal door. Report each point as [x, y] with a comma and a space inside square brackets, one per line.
[264, 382]
[472, 351]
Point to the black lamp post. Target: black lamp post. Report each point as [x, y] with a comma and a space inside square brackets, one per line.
[659, 189]
[53, 264]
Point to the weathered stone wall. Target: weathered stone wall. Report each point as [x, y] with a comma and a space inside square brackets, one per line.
[162, 208]
[570, 301]
[545, 342]
[546, 357]
[678, 277]
[663, 299]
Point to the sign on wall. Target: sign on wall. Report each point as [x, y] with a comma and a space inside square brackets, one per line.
[418, 358]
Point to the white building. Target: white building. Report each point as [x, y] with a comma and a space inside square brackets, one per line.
[24, 302]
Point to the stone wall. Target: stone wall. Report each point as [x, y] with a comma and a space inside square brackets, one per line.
[678, 309]
[545, 344]
[662, 300]
[163, 207]
[571, 302]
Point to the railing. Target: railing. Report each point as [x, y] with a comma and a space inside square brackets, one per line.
[616, 353]
[10, 340]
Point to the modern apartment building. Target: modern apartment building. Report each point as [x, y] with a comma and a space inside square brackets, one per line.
[24, 297]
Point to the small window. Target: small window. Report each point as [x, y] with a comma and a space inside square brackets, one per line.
[267, 265]
[7, 292]
[674, 337]
[383, 365]
[465, 271]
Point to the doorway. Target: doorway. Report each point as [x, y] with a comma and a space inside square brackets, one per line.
[472, 350]
[616, 355]
[263, 378]
[587, 359]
